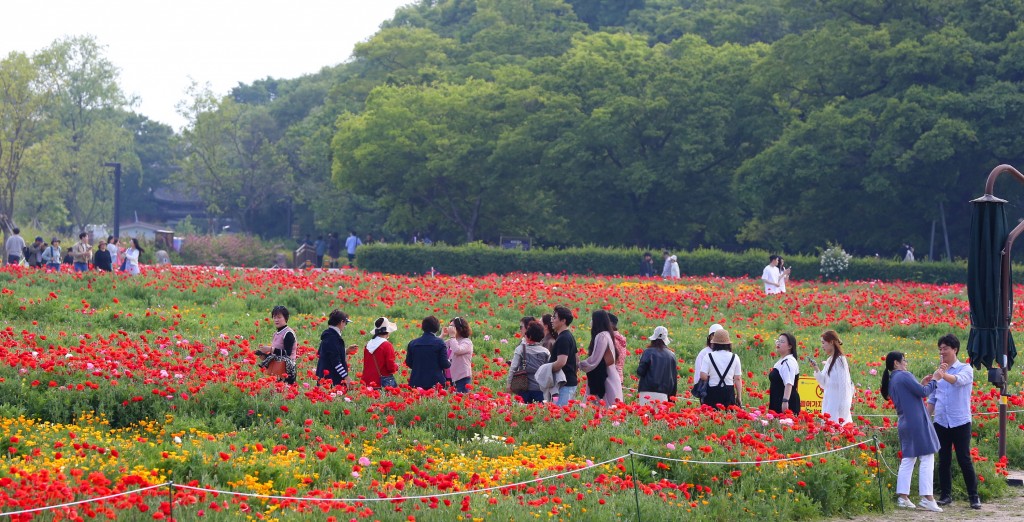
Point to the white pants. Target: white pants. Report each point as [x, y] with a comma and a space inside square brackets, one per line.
[649, 397]
[924, 475]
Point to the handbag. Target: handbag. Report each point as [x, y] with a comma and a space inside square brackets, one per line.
[277, 368]
[700, 389]
[520, 381]
[386, 381]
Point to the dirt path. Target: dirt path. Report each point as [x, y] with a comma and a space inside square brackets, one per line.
[1007, 508]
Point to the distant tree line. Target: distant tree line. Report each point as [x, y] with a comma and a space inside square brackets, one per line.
[778, 124]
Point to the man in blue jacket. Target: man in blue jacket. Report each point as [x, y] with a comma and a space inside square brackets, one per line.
[427, 356]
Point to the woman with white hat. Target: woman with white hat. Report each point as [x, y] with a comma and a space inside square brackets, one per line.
[723, 372]
[379, 365]
[659, 374]
[702, 355]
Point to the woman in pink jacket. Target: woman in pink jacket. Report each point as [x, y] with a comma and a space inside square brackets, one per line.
[460, 349]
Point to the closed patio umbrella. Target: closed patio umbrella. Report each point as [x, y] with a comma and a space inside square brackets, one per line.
[984, 285]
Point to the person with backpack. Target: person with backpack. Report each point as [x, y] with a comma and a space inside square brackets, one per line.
[723, 372]
[52, 255]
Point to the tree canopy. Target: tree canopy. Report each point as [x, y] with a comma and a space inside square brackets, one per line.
[781, 124]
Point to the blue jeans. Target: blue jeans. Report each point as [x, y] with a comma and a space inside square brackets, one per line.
[81, 267]
[566, 394]
[54, 266]
[460, 385]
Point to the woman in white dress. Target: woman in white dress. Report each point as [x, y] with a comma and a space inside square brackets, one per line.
[834, 379]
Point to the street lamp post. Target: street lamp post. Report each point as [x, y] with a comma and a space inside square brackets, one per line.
[117, 197]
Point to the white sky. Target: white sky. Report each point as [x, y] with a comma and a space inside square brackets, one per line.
[159, 45]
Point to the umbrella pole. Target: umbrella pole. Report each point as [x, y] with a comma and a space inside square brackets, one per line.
[1007, 311]
[1005, 305]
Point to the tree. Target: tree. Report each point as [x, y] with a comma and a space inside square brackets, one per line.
[87, 107]
[431, 157]
[21, 116]
[232, 161]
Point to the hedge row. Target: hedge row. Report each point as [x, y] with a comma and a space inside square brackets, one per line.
[478, 259]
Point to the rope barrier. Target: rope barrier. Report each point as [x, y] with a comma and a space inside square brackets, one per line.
[391, 499]
[981, 414]
[77, 502]
[771, 461]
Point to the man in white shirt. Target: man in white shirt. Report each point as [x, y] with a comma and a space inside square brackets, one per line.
[770, 275]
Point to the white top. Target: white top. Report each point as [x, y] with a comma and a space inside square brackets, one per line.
[132, 255]
[788, 369]
[698, 363]
[838, 388]
[114, 251]
[721, 358]
[671, 268]
[770, 275]
[782, 282]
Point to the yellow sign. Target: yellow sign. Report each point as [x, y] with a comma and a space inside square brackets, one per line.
[810, 394]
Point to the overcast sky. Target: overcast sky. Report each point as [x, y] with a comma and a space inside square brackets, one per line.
[159, 45]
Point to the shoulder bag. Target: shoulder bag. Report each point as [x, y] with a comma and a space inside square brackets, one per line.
[386, 381]
[520, 378]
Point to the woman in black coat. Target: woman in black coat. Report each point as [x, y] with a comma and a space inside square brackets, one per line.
[427, 357]
[332, 363]
[101, 260]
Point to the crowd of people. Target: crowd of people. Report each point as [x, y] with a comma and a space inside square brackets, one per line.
[544, 367]
[107, 256]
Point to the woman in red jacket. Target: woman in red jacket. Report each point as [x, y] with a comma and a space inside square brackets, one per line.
[379, 356]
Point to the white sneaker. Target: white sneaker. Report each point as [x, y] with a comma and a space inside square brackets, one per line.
[905, 503]
[930, 505]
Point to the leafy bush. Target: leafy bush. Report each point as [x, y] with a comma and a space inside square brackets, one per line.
[227, 249]
[479, 259]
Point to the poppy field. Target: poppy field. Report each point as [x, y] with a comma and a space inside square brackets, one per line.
[142, 395]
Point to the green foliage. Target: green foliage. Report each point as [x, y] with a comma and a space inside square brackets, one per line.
[479, 259]
[226, 249]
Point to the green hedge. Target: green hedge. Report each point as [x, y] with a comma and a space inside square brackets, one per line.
[478, 259]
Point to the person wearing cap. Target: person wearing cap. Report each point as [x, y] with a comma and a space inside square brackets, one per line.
[426, 356]
[15, 246]
[379, 365]
[702, 355]
[782, 389]
[332, 363]
[658, 370]
[35, 252]
[723, 372]
[101, 259]
[51, 255]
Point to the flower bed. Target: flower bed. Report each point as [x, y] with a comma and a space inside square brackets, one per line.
[113, 384]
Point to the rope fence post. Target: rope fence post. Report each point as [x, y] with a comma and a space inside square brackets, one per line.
[878, 473]
[636, 487]
[170, 499]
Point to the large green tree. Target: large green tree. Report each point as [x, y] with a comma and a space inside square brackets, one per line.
[88, 111]
[433, 158]
[21, 118]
